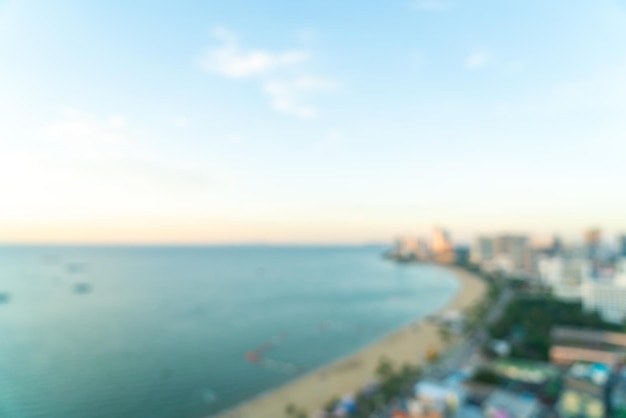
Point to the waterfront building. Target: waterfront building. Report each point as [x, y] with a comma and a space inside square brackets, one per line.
[482, 250]
[564, 274]
[510, 254]
[442, 247]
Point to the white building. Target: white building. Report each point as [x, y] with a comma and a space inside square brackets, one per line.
[620, 270]
[573, 278]
[608, 295]
[609, 299]
[482, 250]
[551, 270]
[511, 254]
[565, 275]
[554, 271]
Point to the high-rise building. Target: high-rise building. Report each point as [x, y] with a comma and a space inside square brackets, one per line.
[606, 298]
[482, 250]
[442, 247]
[557, 245]
[621, 245]
[593, 239]
[511, 254]
[515, 252]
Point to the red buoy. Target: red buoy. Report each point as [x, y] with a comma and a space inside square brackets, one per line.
[252, 357]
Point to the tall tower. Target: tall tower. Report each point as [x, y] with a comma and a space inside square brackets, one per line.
[593, 238]
[621, 246]
[442, 247]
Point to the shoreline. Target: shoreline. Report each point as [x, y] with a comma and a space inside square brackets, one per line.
[408, 344]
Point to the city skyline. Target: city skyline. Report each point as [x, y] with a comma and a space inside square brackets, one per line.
[323, 122]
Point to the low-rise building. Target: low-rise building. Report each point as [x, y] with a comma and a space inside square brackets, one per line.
[585, 391]
[436, 399]
[617, 396]
[566, 356]
[570, 345]
[507, 404]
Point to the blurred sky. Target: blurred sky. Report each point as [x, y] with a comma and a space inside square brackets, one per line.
[309, 121]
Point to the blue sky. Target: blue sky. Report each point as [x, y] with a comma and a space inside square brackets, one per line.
[310, 121]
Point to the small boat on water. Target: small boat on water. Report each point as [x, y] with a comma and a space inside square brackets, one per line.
[82, 288]
[4, 297]
[253, 357]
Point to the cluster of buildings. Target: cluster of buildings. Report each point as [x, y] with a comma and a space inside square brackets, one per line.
[591, 273]
[585, 377]
[592, 381]
[439, 248]
[585, 373]
[510, 254]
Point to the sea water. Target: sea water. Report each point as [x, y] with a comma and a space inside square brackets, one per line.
[189, 331]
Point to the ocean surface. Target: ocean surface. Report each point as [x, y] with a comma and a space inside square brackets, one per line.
[189, 331]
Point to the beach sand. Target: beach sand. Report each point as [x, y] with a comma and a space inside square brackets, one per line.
[408, 345]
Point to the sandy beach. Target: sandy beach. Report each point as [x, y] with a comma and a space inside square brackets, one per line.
[407, 345]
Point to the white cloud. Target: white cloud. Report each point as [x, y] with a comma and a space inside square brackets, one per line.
[432, 5]
[230, 60]
[80, 128]
[280, 75]
[478, 59]
[289, 96]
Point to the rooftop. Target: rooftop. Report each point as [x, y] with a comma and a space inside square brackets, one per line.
[525, 371]
[503, 404]
[578, 336]
[596, 373]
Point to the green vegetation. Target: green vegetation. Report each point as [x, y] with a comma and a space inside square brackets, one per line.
[294, 412]
[475, 315]
[445, 334]
[486, 376]
[330, 405]
[392, 383]
[526, 324]
[542, 379]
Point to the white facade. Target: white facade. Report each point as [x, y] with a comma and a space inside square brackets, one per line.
[551, 270]
[510, 254]
[568, 292]
[620, 271]
[608, 298]
[606, 295]
[482, 250]
[563, 271]
[571, 279]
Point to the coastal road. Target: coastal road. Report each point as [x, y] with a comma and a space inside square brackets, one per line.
[465, 356]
